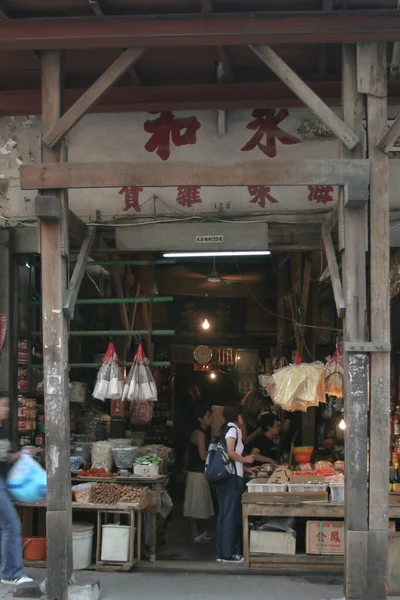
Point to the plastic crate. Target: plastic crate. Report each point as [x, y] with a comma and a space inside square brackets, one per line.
[307, 487]
[274, 488]
[337, 492]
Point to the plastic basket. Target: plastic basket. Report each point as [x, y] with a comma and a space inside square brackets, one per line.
[337, 492]
[307, 487]
[274, 488]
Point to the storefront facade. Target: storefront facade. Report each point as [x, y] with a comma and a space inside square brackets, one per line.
[228, 163]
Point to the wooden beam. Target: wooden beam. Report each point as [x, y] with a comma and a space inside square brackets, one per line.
[92, 95]
[223, 58]
[134, 76]
[369, 80]
[306, 95]
[77, 276]
[380, 321]
[95, 5]
[55, 360]
[352, 233]
[334, 272]
[225, 29]
[390, 136]
[351, 173]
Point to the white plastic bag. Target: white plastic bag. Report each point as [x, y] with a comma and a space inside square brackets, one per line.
[27, 481]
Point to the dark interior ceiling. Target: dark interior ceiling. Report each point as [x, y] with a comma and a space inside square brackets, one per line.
[167, 78]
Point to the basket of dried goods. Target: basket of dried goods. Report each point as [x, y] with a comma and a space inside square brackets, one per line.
[133, 496]
[106, 493]
[82, 493]
[95, 473]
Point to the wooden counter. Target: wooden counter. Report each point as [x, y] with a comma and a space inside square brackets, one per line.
[105, 514]
[260, 505]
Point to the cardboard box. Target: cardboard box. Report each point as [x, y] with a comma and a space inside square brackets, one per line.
[325, 537]
[272, 542]
[280, 475]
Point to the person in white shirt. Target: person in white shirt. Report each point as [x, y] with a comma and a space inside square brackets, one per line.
[230, 491]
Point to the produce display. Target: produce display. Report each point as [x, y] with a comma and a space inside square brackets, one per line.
[96, 473]
[114, 493]
[147, 459]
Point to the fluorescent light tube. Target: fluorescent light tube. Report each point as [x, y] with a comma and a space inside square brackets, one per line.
[223, 253]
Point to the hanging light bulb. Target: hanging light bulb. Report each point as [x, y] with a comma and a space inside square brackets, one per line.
[213, 375]
[206, 324]
[342, 425]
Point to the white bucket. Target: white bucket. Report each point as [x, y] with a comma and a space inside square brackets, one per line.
[82, 542]
[115, 543]
[78, 391]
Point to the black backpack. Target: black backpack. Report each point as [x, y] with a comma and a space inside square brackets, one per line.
[219, 467]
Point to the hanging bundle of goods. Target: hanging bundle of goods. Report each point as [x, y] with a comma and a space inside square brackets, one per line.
[334, 374]
[140, 389]
[298, 386]
[110, 383]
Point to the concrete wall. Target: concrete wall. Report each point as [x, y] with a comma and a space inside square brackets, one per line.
[292, 134]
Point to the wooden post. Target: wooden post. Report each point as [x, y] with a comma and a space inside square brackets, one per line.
[373, 76]
[9, 308]
[356, 412]
[55, 359]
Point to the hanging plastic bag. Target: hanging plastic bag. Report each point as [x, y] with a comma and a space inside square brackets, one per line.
[334, 374]
[140, 386]
[141, 413]
[27, 481]
[109, 382]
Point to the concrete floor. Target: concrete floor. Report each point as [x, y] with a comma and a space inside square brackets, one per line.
[174, 586]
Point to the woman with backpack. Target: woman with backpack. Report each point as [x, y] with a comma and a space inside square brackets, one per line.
[229, 491]
[198, 502]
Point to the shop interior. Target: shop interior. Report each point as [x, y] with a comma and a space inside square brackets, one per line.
[211, 328]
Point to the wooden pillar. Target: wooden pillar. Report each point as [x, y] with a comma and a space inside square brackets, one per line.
[372, 81]
[9, 308]
[352, 238]
[55, 356]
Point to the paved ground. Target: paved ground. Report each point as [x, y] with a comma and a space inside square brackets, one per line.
[177, 586]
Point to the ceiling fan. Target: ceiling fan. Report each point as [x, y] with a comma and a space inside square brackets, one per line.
[214, 276]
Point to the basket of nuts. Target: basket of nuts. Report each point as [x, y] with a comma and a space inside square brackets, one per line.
[135, 497]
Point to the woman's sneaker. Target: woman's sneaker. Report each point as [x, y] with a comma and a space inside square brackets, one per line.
[235, 558]
[18, 581]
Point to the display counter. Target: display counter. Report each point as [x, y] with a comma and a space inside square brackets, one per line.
[260, 505]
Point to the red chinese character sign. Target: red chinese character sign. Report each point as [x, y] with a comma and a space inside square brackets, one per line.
[261, 194]
[266, 125]
[167, 129]
[320, 194]
[131, 198]
[188, 195]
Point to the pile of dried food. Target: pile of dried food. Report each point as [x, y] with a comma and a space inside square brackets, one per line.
[114, 494]
[96, 473]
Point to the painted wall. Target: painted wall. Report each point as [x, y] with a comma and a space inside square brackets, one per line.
[191, 136]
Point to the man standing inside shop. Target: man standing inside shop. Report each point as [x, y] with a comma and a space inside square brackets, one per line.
[11, 541]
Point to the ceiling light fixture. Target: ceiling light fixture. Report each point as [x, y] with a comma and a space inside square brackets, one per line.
[224, 253]
[214, 276]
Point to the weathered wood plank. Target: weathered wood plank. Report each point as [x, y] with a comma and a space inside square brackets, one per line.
[380, 322]
[77, 276]
[334, 272]
[371, 69]
[352, 236]
[55, 357]
[353, 173]
[356, 560]
[91, 96]
[388, 139]
[306, 95]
